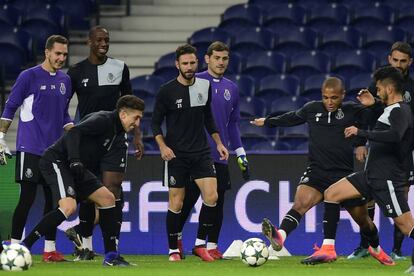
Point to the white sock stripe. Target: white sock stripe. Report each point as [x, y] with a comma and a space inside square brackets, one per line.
[175, 212]
[63, 213]
[410, 232]
[289, 216]
[331, 202]
[106, 207]
[208, 205]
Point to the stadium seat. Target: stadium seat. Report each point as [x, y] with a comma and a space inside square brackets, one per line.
[294, 135]
[79, 12]
[251, 40]
[382, 59]
[149, 106]
[146, 86]
[358, 82]
[262, 146]
[10, 15]
[338, 40]
[323, 16]
[351, 63]
[284, 104]
[405, 18]
[380, 40]
[282, 146]
[309, 4]
[207, 35]
[264, 63]
[296, 40]
[251, 107]
[312, 87]
[266, 4]
[371, 17]
[285, 13]
[236, 64]
[165, 67]
[24, 5]
[245, 84]
[303, 147]
[13, 54]
[277, 86]
[309, 63]
[240, 16]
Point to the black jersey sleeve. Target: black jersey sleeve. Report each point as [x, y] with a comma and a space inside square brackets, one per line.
[93, 125]
[72, 74]
[209, 122]
[158, 114]
[291, 118]
[398, 126]
[125, 85]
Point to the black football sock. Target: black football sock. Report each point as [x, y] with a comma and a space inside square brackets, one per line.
[398, 239]
[108, 224]
[215, 231]
[27, 196]
[371, 213]
[191, 196]
[119, 205]
[330, 220]
[47, 191]
[290, 221]
[371, 235]
[206, 220]
[86, 219]
[173, 221]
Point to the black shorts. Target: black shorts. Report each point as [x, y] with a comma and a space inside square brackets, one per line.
[27, 168]
[411, 168]
[58, 176]
[389, 195]
[115, 160]
[180, 171]
[223, 176]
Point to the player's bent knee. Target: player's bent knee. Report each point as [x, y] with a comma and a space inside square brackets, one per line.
[211, 198]
[67, 206]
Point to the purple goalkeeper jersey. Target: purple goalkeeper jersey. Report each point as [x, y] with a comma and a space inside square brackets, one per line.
[225, 109]
[43, 99]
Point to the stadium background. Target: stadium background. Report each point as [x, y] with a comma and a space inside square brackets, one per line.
[281, 52]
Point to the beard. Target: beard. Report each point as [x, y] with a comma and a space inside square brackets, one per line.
[189, 75]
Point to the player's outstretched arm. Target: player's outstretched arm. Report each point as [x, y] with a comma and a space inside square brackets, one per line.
[258, 122]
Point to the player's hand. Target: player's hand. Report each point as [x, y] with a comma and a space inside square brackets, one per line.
[244, 166]
[139, 149]
[77, 169]
[258, 122]
[166, 153]
[350, 131]
[4, 150]
[365, 97]
[224, 153]
[361, 153]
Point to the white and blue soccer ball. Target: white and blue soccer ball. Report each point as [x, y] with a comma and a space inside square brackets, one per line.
[254, 252]
[15, 257]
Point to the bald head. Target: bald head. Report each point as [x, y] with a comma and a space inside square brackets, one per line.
[333, 93]
[95, 29]
[334, 83]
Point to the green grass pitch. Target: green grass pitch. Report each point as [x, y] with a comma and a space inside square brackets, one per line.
[159, 266]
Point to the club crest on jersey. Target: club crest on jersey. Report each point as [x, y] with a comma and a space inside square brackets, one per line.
[111, 77]
[227, 94]
[62, 88]
[200, 98]
[407, 97]
[28, 173]
[339, 114]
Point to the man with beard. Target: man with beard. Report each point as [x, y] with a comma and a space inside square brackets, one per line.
[99, 81]
[400, 57]
[42, 93]
[184, 103]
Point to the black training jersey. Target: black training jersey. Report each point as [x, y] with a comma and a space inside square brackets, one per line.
[89, 140]
[390, 143]
[329, 150]
[98, 87]
[187, 112]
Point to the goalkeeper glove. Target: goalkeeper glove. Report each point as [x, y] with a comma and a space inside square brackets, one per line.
[4, 149]
[244, 166]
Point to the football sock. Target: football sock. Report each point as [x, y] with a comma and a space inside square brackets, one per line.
[371, 213]
[50, 246]
[398, 239]
[26, 198]
[47, 192]
[108, 225]
[206, 220]
[290, 221]
[119, 204]
[192, 192]
[173, 221]
[372, 236]
[86, 218]
[53, 219]
[215, 231]
[330, 220]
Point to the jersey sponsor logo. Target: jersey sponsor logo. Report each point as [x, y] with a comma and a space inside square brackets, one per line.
[172, 181]
[318, 116]
[62, 88]
[43, 87]
[85, 82]
[227, 95]
[28, 173]
[70, 191]
[339, 114]
[407, 97]
[179, 103]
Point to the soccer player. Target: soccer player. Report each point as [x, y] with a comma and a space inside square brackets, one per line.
[184, 103]
[400, 57]
[330, 159]
[70, 166]
[43, 93]
[385, 175]
[225, 108]
[99, 81]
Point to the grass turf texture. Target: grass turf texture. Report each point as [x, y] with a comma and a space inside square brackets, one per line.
[159, 266]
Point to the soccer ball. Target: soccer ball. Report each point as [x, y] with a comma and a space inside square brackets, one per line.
[15, 257]
[254, 252]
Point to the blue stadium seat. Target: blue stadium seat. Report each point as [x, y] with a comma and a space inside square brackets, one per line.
[380, 40]
[357, 4]
[284, 104]
[277, 86]
[240, 16]
[208, 35]
[79, 12]
[371, 17]
[264, 63]
[312, 87]
[282, 146]
[262, 146]
[349, 64]
[251, 40]
[294, 135]
[339, 40]
[266, 4]
[309, 63]
[13, 54]
[281, 28]
[302, 147]
[145, 127]
[285, 13]
[382, 59]
[247, 129]
[323, 16]
[296, 40]
[24, 5]
[358, 82]
[149, 106]
[309, 4]
[251, 107]
[146, 86]
[10, 15]
[165, 67]
[245, 84]
[405, 18]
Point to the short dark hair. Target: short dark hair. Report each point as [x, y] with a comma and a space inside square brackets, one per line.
[131, 102]
[390, 75]
[51, 40]
[185, 49]
[96, 28]
[402, 47]
[217, 46]
[333, 82]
